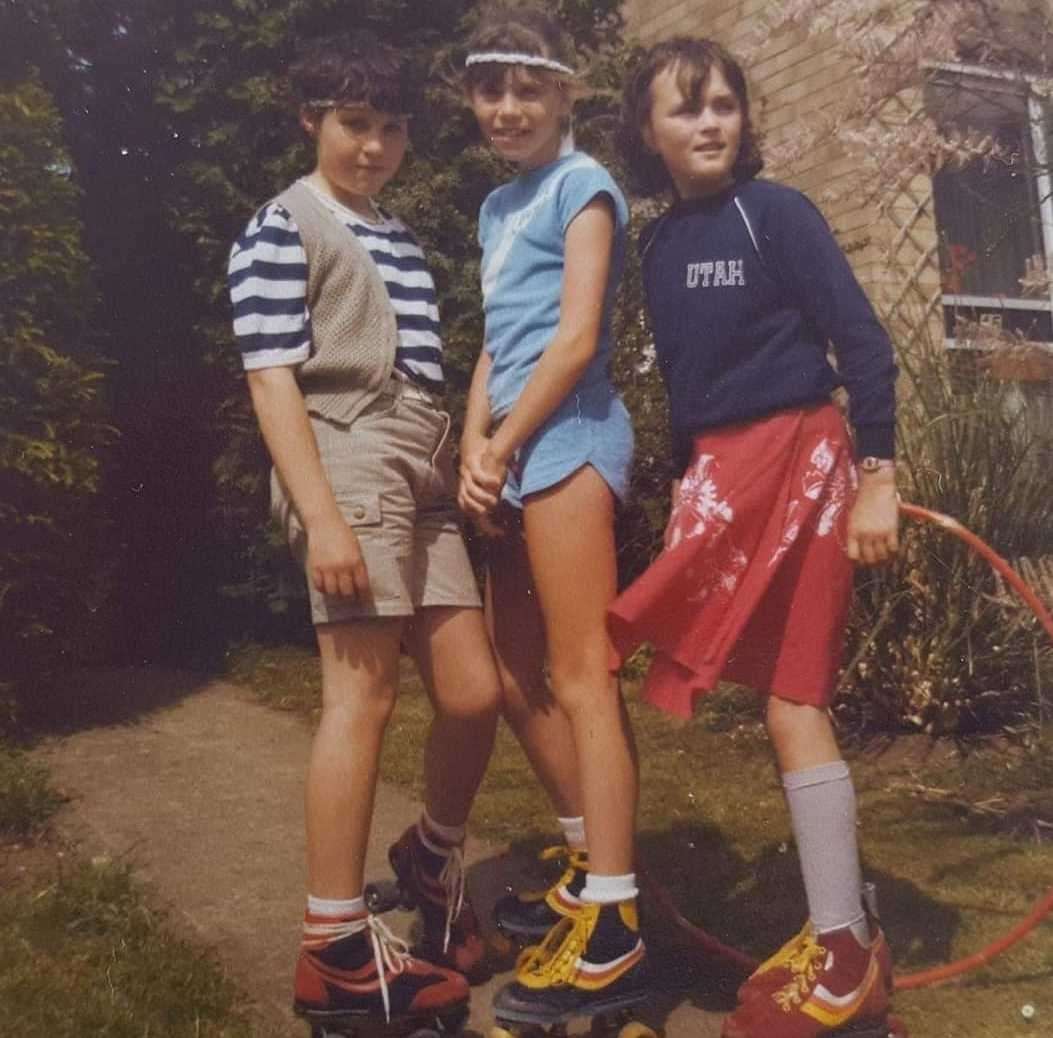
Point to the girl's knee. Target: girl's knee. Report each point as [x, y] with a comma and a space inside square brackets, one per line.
[582, 673]
[801, 733]
[585, 691]
[479, 703]
[359, 708]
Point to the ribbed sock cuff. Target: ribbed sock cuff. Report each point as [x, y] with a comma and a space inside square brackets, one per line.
[607, 890]
[332, 909]
[817, 776]
[859, 927]
[573, 832]
[438, 837]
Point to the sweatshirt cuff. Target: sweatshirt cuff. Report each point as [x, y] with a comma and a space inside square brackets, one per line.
[876, 441]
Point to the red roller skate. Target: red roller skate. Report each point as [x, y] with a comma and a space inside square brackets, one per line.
[817, 987]
[775, 973]
[355, 979]
[431, 878]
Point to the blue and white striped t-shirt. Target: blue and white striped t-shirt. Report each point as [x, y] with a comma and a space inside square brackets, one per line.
[267, 276]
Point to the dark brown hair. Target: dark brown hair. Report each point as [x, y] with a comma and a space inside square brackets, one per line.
[521, 28]
[354, 68]
[693, 58]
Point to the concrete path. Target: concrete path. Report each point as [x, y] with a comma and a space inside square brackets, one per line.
[200, 788]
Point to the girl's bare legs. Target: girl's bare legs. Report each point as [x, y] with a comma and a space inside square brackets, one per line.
[342, 965]
[452, 652]
[570, 543]
[801, 735]
[513, 617]
[453, 655]
[359, 681]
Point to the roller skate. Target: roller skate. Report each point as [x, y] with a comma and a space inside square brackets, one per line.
[531, 914]
[592, 965]
[355, 979]
[834, 987]
[431, 878]
[775, 972]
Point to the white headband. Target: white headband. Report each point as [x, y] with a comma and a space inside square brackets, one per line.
[509, 57]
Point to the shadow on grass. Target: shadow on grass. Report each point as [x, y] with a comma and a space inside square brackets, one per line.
[752, 905]
[106, 696]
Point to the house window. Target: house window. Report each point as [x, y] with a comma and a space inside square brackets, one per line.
[994, 215]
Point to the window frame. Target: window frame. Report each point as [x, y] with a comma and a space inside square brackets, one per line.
[1041, 145]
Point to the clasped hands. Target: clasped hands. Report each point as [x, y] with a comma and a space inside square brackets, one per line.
[483, 474]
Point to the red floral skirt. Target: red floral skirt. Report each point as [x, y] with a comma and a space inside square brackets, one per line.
[753, 584]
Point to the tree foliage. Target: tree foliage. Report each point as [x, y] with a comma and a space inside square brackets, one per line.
[52, 420]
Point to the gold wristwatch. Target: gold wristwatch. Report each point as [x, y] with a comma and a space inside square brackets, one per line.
[872, 464]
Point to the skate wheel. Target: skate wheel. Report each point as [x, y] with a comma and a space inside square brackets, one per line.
[501, 1032]
[635, 1029]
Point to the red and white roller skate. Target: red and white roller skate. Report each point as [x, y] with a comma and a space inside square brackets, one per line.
[825, 986]
[775, 973]
[355, 979]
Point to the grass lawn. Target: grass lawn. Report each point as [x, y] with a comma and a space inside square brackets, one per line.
[81, 953]
[952, 837]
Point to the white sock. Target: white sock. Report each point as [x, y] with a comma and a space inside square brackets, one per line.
[451, 835]
[822, 803]
[573, 832]
[607, 890]
[332, 909]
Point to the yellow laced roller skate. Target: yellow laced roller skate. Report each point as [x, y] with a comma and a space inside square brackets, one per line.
[591, 965]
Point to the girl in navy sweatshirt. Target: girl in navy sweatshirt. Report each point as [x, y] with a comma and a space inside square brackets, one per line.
[747, 290]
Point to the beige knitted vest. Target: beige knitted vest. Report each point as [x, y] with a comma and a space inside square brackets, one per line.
[353, 324]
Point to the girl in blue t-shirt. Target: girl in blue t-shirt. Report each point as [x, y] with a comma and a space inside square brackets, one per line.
[545, 455]
[746, 291]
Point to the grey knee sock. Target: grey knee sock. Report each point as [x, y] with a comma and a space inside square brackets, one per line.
[822, 802]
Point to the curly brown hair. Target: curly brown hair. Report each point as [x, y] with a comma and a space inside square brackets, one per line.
[353, 68]
[692, 58]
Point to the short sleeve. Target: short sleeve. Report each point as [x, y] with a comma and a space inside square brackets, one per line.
[580, 185]
[267, 279]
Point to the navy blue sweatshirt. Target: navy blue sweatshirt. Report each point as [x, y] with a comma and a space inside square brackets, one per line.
[744, 304]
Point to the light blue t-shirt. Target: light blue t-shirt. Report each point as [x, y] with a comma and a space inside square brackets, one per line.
[522, 226]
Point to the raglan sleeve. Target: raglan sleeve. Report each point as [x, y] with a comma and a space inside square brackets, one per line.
[824, 285]
[267, 280]
[581, 185]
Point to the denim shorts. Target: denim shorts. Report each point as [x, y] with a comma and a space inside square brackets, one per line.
[393, 477]
[591, 427]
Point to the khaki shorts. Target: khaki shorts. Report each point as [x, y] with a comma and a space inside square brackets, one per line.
[392, 475]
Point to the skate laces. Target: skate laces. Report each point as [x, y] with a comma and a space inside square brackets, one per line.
[786, 952]
[576, 861]
[553, 962]
[450, 880]
[803, 963]
[390, 954]
[453, 882]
